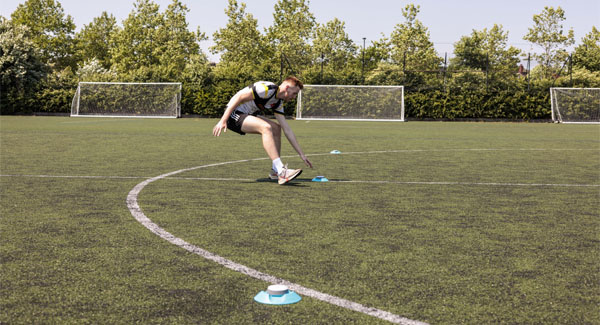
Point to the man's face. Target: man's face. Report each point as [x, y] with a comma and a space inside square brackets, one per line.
[290, 92]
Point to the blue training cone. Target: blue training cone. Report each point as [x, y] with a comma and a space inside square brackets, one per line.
[277, 294]
[320, 179]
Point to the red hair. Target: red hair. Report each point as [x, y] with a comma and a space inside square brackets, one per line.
[295, 81]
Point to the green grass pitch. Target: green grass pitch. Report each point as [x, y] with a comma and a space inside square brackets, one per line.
[438, 222]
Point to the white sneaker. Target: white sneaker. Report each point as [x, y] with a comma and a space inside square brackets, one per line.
[287, 175]
[273, 175]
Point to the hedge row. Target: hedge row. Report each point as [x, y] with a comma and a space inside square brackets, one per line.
[430, 104]
[478, 104]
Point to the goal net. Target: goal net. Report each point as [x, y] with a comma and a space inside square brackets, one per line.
[575, 105]
[127, 99]
[353, 103]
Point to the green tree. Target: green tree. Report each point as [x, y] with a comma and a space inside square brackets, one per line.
[486, 49]
[56, 92]
[52, 32]
[549, 34]
[375, 54]
[21, 68]
[240, 41]
[412, 55]
[410, 44]
[245, 57]
[336, 52]
[469, 51]
[178, 45]
[378, 51]
[245, 53]
[197, 86]
[153, 46]
[93, 70]
[387, 73]
[94, 39]
[292, 30]
[587, 54]
[135, 45]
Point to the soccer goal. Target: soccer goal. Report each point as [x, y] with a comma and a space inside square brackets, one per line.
[351, 103]
[575, 105]
[127, 99]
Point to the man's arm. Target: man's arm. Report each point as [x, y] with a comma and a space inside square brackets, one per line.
[289, 134]
[239, 98]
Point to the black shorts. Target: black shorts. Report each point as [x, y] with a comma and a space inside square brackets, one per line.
[234, 123]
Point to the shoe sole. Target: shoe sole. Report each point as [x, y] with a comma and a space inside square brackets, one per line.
[286, 180]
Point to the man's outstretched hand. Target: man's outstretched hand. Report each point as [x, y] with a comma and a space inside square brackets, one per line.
[220, 127]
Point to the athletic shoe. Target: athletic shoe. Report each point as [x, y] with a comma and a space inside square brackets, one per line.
[287, 175]
[273, 175]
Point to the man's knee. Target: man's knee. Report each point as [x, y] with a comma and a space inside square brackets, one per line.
[273, 129]
[265, 128]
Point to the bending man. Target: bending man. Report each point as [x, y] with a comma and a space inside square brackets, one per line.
[241, 116]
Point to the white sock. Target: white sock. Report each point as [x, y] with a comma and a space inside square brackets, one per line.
[277, 165]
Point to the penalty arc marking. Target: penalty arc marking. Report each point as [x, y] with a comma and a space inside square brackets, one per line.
[136, 211]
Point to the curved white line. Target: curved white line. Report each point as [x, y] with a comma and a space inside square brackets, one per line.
[137, 213]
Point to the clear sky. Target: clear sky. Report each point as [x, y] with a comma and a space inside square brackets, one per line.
[446, 21]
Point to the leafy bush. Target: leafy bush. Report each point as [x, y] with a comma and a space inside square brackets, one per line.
[478, 104]
[57, 93]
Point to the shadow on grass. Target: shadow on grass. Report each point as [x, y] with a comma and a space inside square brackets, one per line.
[296, 181]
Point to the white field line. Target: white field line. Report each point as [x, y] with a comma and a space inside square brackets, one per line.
[223, 179]
[466, 183]
[137, 213]
[77, 176]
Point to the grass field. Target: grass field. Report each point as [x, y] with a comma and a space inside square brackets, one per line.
[443, 223]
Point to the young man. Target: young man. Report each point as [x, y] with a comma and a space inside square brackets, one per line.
[241, 116]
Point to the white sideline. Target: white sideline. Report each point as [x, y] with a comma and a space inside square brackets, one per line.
[330, 181]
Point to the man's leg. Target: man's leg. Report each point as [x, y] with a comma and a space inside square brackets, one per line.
[271, 138]
[270, 132]
[276, 128]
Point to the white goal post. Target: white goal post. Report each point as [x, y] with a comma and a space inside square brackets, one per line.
[351, 103]
[575, 105]
[127, 99]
